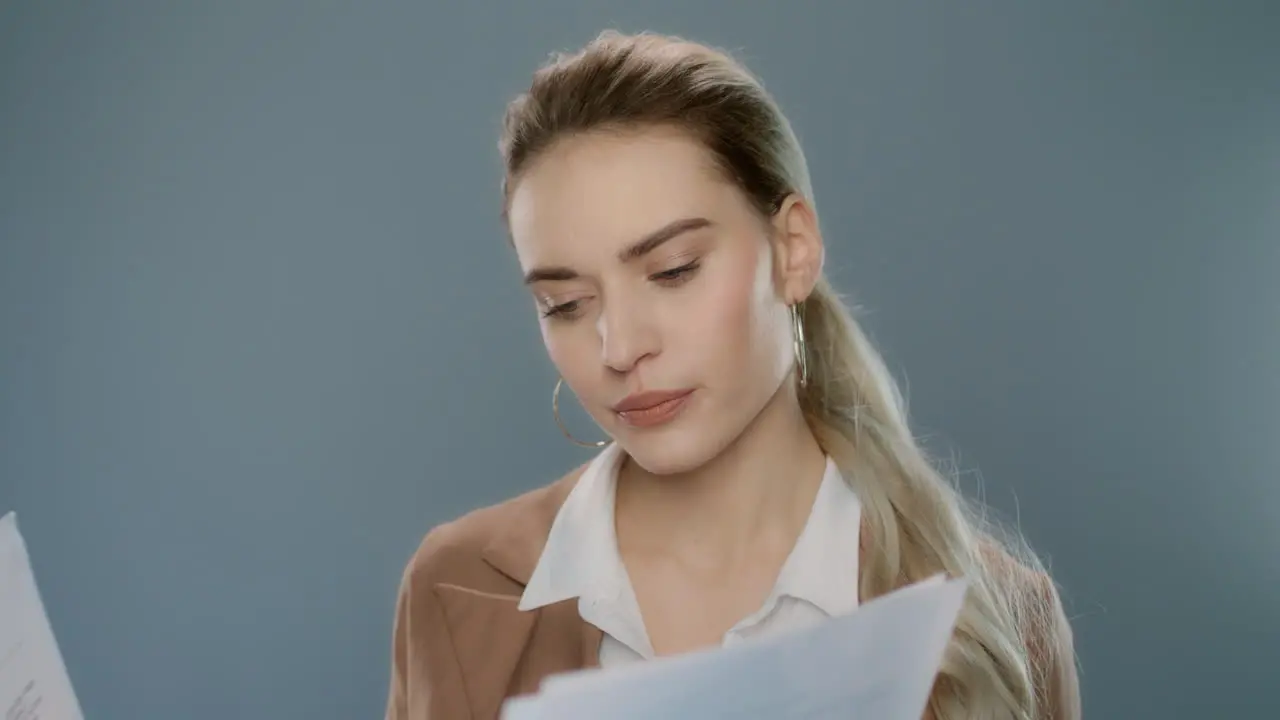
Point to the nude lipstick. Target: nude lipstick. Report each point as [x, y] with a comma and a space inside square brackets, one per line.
[652, 408]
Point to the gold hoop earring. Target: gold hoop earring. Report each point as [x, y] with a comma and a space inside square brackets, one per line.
[799, 346]
[555, 412]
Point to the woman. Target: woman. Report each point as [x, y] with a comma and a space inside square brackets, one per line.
[760, 474]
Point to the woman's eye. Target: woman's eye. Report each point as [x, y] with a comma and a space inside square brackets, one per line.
[562, 310]
[675, 275]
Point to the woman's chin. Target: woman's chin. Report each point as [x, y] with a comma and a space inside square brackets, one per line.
[669, 453]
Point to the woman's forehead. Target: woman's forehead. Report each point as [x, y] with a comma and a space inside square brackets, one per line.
[609, 190]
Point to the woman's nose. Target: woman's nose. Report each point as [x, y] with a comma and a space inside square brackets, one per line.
[626, 336]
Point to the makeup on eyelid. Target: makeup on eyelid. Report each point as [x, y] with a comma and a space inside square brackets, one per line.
[671, 277]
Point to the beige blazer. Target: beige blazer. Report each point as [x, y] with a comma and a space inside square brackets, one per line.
[460, 646]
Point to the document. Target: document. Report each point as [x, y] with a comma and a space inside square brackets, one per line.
[878, 663]
[33, 679]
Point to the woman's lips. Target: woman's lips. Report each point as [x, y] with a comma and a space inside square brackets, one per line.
[649, 409]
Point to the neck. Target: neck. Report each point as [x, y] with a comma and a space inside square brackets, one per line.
[758, 490]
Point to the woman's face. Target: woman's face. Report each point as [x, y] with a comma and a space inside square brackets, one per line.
[662, 295]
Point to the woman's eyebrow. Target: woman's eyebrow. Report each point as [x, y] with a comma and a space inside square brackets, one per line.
[650, 242]
[634, 251]
[543, 274]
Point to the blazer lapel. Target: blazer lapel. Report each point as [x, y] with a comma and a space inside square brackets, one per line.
[496, 635]
[507, 651]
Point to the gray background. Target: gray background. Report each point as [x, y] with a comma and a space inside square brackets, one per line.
[260, 328]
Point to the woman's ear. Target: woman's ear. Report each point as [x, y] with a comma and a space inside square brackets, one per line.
[798, 250]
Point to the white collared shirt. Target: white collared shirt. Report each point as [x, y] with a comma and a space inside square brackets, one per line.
[818, 580]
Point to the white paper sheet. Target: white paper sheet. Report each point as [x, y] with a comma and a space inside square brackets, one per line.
[33, 679]
[878, 662]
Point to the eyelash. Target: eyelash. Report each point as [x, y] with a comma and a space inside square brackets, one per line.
[670, 278]
[561, 309]
[675, 276]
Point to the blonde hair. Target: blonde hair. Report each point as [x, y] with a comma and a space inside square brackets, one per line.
[916, 523]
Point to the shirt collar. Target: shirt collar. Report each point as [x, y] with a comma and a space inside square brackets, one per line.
[823, 566]
[580, 558]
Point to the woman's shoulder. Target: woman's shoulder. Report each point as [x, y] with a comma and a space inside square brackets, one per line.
[488, 549]
[1029, 590]
[1015, 576]
[1037, 605]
